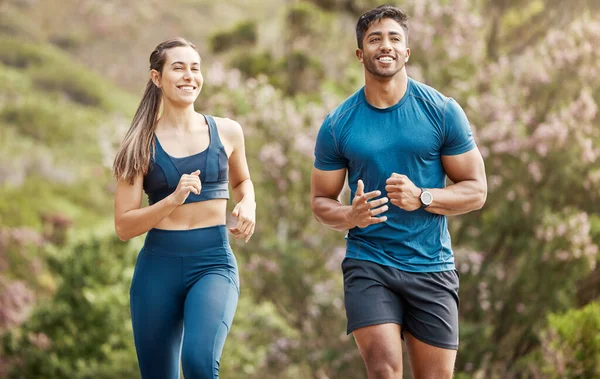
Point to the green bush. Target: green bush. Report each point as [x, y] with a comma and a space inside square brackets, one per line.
[244, 33]
[18, 54]
[571, 344]
[84, 330]
[303, 18]
[252, 65]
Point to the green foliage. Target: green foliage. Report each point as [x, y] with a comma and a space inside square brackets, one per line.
[51, 116]
[17, 54]
[296, 72]
[571, 343]
[51, 71]
[354, 7]
[84, 204]
[296, 67]
[14, 23]
[254, 64]
[303, 72]
[49, 120]
[248, 347]
[13, 81]
[243, 34]
[84, 330]
[303, 19]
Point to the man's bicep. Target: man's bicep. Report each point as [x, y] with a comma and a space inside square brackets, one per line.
[466, 166]
[327, 183]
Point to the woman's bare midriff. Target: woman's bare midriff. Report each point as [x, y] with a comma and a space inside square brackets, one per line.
[196, 215]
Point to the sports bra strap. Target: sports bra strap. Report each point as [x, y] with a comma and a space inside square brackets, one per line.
[212, 168]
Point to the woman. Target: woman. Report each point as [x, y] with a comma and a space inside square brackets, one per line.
[185, 286]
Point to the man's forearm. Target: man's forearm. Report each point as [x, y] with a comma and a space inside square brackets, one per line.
[331, 213]
[458, 198]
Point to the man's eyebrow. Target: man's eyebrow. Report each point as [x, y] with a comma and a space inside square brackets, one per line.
[378, 33]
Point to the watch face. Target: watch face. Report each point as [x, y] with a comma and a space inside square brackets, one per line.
[426, 197]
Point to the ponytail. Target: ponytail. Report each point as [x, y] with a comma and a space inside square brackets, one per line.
[133, 157]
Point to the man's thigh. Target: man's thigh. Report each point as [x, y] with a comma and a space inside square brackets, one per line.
[425, 305]
[368, 297]
[431, 307]
[427, 361]
[380, 347]
[430, 326]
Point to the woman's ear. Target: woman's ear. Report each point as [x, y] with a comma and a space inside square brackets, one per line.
[155, 77]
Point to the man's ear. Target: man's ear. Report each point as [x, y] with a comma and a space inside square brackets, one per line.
[407, 54]
[359, 55]
[155, 77]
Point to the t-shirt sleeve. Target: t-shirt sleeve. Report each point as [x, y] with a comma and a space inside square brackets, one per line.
[458, 138]
[327, 153]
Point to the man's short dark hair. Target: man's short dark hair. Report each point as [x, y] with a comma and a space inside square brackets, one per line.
[381, 12]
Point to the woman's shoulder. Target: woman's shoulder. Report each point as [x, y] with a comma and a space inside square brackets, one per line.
[228, 128]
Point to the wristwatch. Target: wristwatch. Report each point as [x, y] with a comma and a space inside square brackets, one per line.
[426, 198]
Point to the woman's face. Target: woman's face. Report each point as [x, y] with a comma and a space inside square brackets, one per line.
[181, 79]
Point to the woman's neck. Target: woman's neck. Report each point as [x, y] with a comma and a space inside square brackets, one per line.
[181, 120]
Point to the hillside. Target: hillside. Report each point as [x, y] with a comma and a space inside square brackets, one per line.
[54, 116]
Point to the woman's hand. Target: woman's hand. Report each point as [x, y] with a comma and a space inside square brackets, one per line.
[245, 211]
[187, 183]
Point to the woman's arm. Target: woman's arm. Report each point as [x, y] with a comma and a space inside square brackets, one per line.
[242, 187]
[131, 220]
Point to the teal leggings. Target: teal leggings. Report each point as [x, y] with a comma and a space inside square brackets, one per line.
[183, 297]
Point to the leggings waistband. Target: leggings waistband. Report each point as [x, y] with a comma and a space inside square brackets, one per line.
[177, 242]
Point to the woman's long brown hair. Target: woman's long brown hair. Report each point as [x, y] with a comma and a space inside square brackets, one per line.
[133, 157]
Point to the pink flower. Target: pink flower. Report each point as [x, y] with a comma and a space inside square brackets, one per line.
[16, 300]
[40, 340]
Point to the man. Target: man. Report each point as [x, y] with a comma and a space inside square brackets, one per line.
[397, 139]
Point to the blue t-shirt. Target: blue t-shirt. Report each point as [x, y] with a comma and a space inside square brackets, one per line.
[407, 138]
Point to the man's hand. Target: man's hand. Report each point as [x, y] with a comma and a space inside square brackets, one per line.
[363, 212]
[403, 193]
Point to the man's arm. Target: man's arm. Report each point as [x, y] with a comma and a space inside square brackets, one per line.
[469, 191]
[325, 191]
[467, 194]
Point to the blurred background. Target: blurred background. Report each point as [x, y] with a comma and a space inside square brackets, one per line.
[527, 73]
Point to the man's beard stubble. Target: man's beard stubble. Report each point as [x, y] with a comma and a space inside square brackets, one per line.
[372, 68]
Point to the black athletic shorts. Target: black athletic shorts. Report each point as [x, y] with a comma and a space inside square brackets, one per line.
[425, 304]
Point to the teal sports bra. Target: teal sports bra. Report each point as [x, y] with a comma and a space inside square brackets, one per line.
[165, 171]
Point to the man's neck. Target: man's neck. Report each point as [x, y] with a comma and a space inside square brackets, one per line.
[385, 92]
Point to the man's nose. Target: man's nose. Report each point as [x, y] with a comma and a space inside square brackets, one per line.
[386, 46]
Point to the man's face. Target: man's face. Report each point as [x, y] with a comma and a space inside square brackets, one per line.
[384, 51]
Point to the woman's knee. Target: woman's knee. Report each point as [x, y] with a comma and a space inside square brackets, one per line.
[201, 353]
[199, 365]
